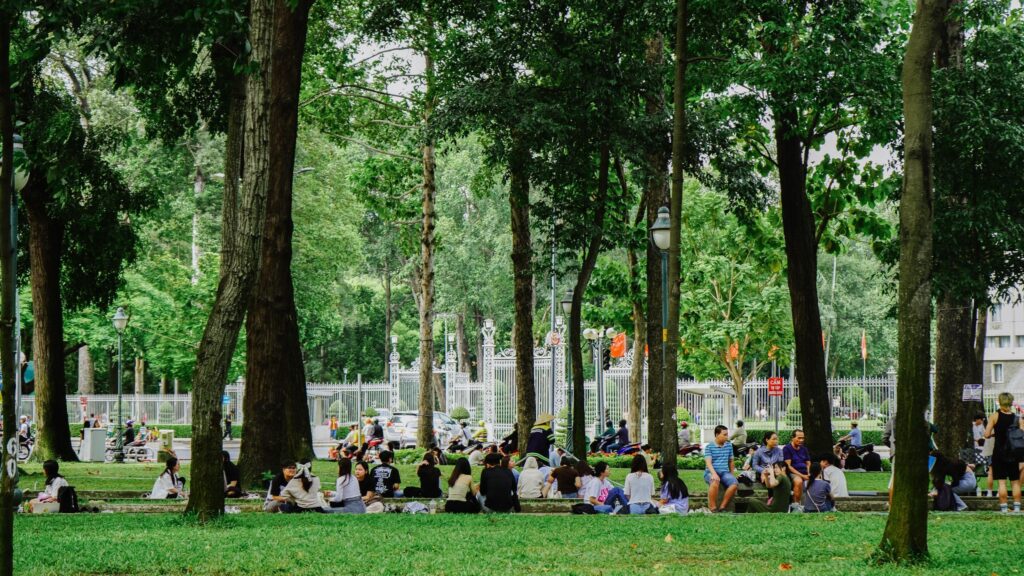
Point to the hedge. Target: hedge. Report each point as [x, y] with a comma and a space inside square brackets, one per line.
[180, 430]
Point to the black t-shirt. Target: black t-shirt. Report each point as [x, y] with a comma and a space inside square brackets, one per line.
[384, 478]
[129, 435]
[277, 484]
[430, 481]
[872, 462]
[366, 485]
[231, 473]
[498, 485]
[853, 461]
[378, 431]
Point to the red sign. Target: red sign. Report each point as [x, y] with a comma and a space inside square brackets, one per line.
[775, 386]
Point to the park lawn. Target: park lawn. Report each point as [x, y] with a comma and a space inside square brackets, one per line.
[448, 544]
[85, 476]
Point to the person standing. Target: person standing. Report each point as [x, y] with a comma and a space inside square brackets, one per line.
[227, 426]
[797, 460]
[720, 469]
[1005, 465]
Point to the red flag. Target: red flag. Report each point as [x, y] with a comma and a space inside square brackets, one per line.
[618, 347]
[864, 344]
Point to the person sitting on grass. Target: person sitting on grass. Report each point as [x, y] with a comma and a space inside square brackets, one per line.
[639, 486]
[964, 482]
[387, 480]
[232, 479]
[871, 460]
[943, 498]
[302, 493]
[601, 494]
[497, 487]
[564, 480]
[346, 498]
[510, 464]
[168, 485]
[854, 463]
[54, 482]
[817, 496]
[476, 455]
[720, 469]
[274, 501]
[461, 490]
[834, 475]
[675, 497]
[430, 479]
[586, 476]
[781, 490]
[531, 480]
[797, 459]
[766, 456]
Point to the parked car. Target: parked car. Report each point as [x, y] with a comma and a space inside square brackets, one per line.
[403, 427]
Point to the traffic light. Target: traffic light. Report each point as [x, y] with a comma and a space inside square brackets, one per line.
[606, 358]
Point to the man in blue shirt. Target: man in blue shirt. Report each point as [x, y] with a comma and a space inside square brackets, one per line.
[854, 437]
[797, 460]
[621, 437]
[721, 469]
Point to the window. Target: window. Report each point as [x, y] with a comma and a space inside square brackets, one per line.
[997, 313]
[997, 373]
[1000, 342]
[1020, 341]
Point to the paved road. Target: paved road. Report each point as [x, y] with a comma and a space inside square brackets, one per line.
[183, 448]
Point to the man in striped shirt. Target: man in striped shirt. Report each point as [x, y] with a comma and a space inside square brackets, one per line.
[721, 469]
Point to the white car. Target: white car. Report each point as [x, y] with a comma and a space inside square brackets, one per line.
[402, 428]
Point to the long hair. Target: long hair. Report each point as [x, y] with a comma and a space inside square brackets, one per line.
[52, 470]
[815, 472]
[675, 485]
[639, 464]
[169, 467]
[461, 467]
[306, 473]
[345, 470]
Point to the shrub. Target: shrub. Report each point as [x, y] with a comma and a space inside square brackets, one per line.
[683, 415]
[793, 417]
[166, 412]
[459, 413]
[370, 412]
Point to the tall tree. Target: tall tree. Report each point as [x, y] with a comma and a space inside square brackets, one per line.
[276, 408]
[906, 530]
[238, 274]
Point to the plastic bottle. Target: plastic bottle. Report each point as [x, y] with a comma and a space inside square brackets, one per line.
[433, 506]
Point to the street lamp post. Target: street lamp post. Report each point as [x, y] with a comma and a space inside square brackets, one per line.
[567, 311]
[20, 180]
[596, 337]
[661, 231]
[120, 321]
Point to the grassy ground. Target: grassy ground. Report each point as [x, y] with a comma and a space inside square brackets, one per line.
[391, 544]
[140, 477]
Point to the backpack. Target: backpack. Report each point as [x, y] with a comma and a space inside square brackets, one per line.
[68, 499]
[1015, 440]
[944, 501]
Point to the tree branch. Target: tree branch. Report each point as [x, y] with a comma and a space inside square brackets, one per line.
[373, 148]
[381, 53]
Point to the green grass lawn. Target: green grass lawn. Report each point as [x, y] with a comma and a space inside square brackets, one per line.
[140, 477]
[392, 544]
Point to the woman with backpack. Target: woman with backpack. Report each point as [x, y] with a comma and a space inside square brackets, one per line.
[1005, 460]
[46, 501]
[168, 485]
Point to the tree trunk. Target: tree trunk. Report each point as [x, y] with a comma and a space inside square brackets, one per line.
[387, 323]
[669, 440]
[462, 342]
[8, 286]
[980, 331]
[140, 378]
[478, 321]
[954, 367]
[656, 195]
[636, 374]
[234, 289]
[85, 371]
[46, 244]
[802, 267]
[906, 530]
[522, 270]
[575, 316]
[198, 185]
[275, 405]
[426, 399]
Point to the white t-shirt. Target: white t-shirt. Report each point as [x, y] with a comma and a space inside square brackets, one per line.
[346, 488]
[592, 489]
[639, 487]
[837, 479]
[58, 483]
